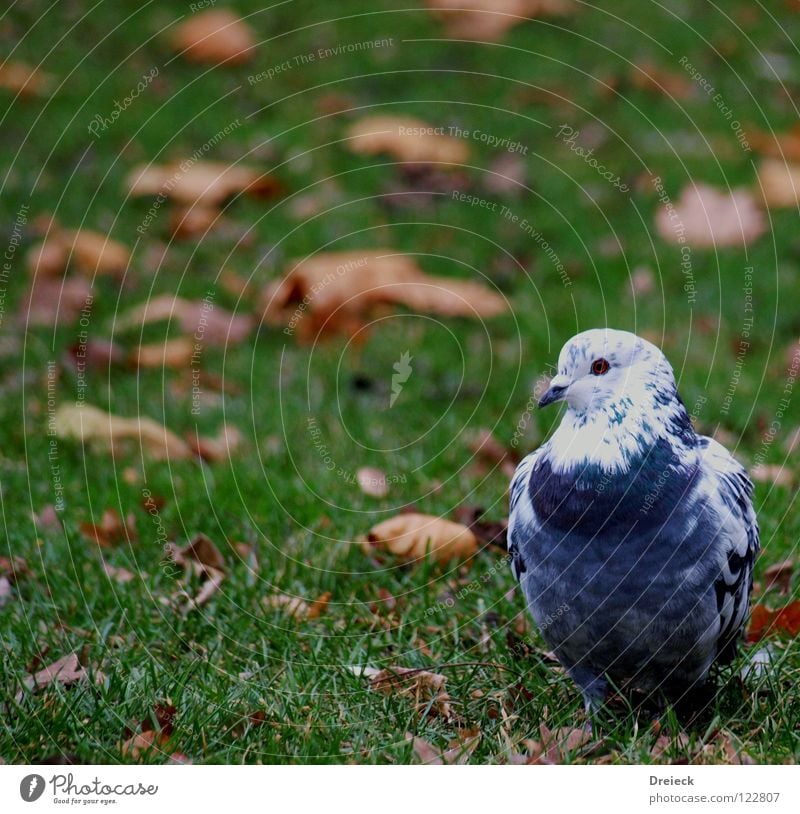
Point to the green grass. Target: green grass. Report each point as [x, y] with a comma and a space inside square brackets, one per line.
[236, 658]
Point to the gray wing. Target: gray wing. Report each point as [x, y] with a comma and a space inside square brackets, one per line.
[731, 492]
[521, 515]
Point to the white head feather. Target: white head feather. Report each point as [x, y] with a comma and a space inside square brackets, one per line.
[621, 396]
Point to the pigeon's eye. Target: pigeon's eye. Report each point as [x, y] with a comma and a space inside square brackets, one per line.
[599, 367]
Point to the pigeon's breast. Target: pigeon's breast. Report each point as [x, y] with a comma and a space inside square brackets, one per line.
[588, 499]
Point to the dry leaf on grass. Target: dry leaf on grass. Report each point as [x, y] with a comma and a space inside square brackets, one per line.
[707, 217]
[88, 251]
[780, 183]
[777, 145]
[490, 19]
[426, 689]
[192, 221]
[19, 77]
[414, 536]
[120, 575]
[155, 736]
[325, 291]
[779, 575]
[206, 183]
[219, 448]
[766, 622]
[203, 559]
[298, 608]
[52, 301]
[13, 568]
[372, 481]
[66, 671]
[173, 353]
[88, 424]
[111, 529]
[775, 474]
[199, 318]
[649, 77]
[487, 532]
[214, 37]
[669, 743]
[458, 752]
[483, 444]
[557, 744]
[406, 139]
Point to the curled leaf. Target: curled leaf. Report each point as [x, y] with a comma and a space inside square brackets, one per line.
[425, 688]
[707, 217]
[214, 37]
[490, 19]
[89, 252]
[406, 139]
[203, 319]
[413, 537]
[87, 424]
[324, 290]
[205, 183]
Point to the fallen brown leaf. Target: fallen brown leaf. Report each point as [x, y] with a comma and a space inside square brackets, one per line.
[203, 559]
[215, 37]
[406, 139]
[192, 221]
[765, 622]
[780, 575]
[290, 605]
[649, 77]
[483, 444]
[65, 671]
[88, 424]
[111, 529]
[780, 183]
[202, 319]
[666, 743]
[173, 353]
[559, 743]
[120, 575]
[19, 77]
[457, 754]
[784, 146]
[412, 537]
[201, 550]
[707, 217]
[88, 251]
[490, 19]
[322, 291]
[204, 183]
[13, 568]
[776, 474]
[220, 448]
[425, 688]
[52, 301]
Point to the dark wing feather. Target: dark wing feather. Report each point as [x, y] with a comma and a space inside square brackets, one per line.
[738, 535]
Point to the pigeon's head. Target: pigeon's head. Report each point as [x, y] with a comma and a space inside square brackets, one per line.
[609, 370]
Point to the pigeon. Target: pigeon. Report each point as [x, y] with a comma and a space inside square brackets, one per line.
[632, 536]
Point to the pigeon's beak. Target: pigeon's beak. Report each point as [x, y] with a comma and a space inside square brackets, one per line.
[556, 391]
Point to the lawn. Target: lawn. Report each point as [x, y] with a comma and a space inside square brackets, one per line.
[242, 678]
